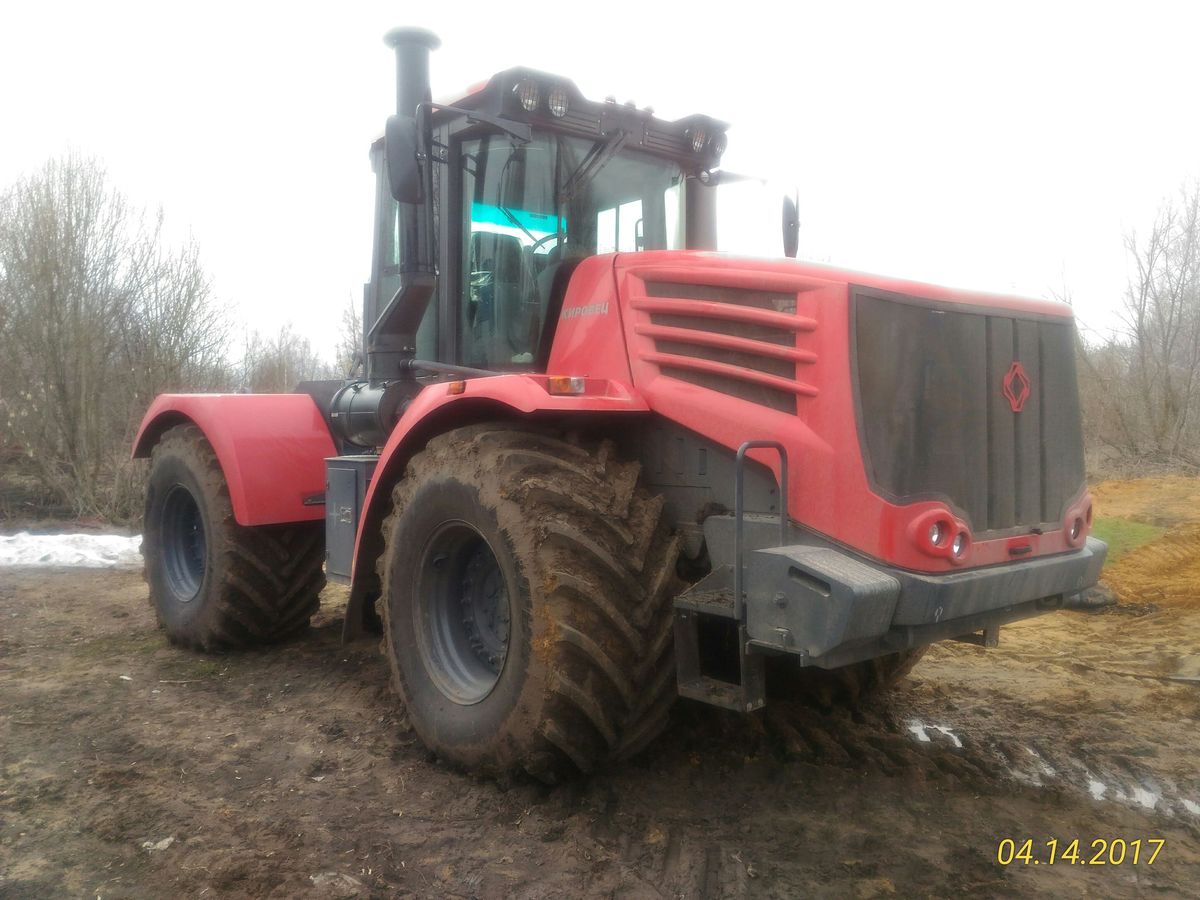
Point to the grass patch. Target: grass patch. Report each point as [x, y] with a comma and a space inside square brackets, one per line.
[1123, 535]
[118, 646]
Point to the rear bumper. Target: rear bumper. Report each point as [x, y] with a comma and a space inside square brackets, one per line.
[831, 608]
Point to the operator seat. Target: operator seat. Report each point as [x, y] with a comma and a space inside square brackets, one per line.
[497, 318]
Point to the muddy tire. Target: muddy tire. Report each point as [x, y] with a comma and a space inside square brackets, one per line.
[214, 584]
[526, 598]
[846, 686]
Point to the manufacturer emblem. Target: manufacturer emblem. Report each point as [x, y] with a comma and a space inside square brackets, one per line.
[1017, 386]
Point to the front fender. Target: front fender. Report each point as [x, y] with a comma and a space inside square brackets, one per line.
[272, 449]
[435, 410]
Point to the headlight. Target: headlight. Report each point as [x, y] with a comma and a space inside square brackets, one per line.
[959, 545]
[699, 137]
[558, 102]
[527, 91]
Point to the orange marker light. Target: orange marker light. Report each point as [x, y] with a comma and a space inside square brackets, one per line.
[456, 387]
[566, 384]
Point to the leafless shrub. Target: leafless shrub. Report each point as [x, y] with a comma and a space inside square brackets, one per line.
[97, 316]
[277, 364]
[1141, 390]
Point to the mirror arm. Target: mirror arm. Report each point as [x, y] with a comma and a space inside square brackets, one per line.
[519, 131]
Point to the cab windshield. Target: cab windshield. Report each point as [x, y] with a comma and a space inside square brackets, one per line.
[530, 209]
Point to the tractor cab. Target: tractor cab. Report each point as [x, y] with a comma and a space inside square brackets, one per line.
[501, 194]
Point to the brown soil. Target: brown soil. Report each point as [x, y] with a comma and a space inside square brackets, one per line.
[1168, 501]
[1165, 571]
[292, 772]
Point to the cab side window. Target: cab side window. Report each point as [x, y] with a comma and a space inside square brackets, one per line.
[509, 231]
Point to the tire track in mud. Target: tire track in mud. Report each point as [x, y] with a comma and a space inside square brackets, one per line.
[896, 741]
[1114, 779]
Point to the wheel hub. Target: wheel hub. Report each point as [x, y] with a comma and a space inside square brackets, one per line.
[463, 614]
[184, 544]
[484, 603]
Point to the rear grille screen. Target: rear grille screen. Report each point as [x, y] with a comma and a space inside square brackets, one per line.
[934, 420]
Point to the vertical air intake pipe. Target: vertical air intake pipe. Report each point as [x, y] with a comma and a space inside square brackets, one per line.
[392, 324]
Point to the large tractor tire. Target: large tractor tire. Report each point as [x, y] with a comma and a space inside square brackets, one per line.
[215, 584]
[527, 586]
[850, 685]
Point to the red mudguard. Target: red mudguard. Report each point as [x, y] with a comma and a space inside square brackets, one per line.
[436, 410]
[272, 449]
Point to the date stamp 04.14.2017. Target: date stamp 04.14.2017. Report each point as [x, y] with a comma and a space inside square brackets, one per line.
[1079, 852]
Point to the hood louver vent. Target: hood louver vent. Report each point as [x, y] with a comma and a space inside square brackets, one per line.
[736, 341]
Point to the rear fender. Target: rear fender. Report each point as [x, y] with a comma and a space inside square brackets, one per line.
[272, 449]
[434, 411]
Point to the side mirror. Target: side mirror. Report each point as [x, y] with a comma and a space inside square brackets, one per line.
[401, 144]
[791, 227]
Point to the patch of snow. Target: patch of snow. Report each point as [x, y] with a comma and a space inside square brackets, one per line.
[1046, 768]
[921, 731]
[1148, 799]
[918, 729]
[75, 550]
[1097, 788]
[158, 845]
[1190, 806]
[950, 734]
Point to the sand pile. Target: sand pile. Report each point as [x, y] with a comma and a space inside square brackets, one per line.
[1167, 501]
[1165, 571]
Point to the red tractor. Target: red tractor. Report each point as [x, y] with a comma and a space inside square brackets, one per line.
[589, 465]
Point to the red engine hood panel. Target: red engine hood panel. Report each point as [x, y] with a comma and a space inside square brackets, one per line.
[741, 349]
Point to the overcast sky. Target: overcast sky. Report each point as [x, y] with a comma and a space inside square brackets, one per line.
[1003, 146]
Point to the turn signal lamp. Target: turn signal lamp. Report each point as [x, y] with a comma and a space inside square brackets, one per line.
[566, 384]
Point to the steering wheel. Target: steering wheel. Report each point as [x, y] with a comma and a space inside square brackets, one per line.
[554, 234]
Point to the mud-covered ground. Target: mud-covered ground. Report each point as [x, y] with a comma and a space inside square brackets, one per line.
[290, 772]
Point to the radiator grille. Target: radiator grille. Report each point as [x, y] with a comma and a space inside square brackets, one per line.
[935, 422]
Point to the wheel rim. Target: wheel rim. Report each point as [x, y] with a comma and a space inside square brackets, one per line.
[462, 613]
[184, 544]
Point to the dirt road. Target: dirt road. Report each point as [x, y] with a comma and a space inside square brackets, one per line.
[291, 772]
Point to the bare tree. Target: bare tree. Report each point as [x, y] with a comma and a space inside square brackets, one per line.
[96, 316]
[277, 364]
[1142, 390]
[350, 339]
[1162, 311]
